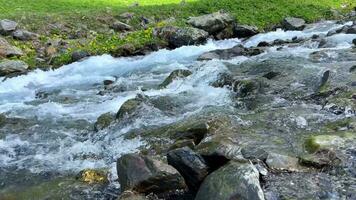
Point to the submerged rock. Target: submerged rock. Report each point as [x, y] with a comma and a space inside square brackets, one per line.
[9, 67]
[145, 175]
[177, 36]
[233, 181]
[225, 54]
[7, 50]
[191, 165]
[104, 121]
[176, 74]
[292, 24]
[212, 23]
[7, 26]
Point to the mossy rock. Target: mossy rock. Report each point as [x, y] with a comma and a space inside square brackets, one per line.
[315, 143]
[104, 121]
[130, 106]
[176, 74]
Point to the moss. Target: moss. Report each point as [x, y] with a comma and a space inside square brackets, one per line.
[92, 176]
[314, 143]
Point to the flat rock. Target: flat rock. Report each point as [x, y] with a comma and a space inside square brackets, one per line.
[212, 23]
[7, 26]
[7, 50]
[282, 162]
[233, 181]
[9, 67]
[190, 164]
[293, 24]
[145, 175]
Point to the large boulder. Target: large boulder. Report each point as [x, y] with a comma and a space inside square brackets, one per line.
[145, 175]
[9, 67]
[130, 106]
[233, 181]
[225, 54]
[244, 31]
[7, 50]
[176, 74]
[104, 121]
[293, 24]
[7, 26]
[191, 165]
[212, 23]
[24, 35]
[177, 36]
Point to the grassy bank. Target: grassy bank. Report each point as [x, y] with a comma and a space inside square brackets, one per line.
[93, 16]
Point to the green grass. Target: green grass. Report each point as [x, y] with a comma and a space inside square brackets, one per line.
[36, 15]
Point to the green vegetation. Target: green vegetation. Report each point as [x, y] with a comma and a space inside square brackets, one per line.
[94, 16]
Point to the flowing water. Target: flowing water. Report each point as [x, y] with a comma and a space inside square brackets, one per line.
[50, 135]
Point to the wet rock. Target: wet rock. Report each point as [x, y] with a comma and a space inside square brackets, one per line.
[120, 26]
[324, 79]
[263, 44]
[233, 181]
[320, 159]
[9, 67]
[104, 121]
[212, 23]
[282, 162]
[254, 153]
[354, 41]
[79, 55]
[225, 54]
[318, 142]
[179, 144]
[130, 195]
[227, 33]
[130, 106]
[195, 132]
[176, 74]
[292, 23]
[177, 37]
[244, 31]
[108, 82]
[244, 88]
[7, 26]
[224, 79]
[191, 165]
[24, 35]
[92, 176]
[2, 120]
[7, 50]
[352, 69]
[351, 30]
[271, 75]
[145, 175]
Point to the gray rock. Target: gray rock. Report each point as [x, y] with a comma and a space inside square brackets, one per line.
[177, 37]
[320, 159]
[212, 23]
[130, 106]
[24, 35]
[9, 67]
[120, 26]
[225, 54]
[7, 50]
[351, 30]
[176, 74]
[254, 153]
[191, 165]
[145, 175]
[104, 121]
[196, 132]
[354, 41]
[244, 31]
[233, 181]
[224, 79]
[7, 26]
[79, 55]
[292, 23]
[282, 162]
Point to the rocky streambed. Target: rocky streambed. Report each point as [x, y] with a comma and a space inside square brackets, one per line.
[272, 116]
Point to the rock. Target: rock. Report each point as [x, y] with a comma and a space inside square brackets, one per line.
[130, 106]
[282, 162]
[271, 75]
[176, 74]
[9, 67]
[120, 26]
[127, 15]
[244, 31]
[145, 175]
[324, 79]
[318, 142]
[351, 30]
[79, 55]
[263, 44]
[292, 24]
[2, 120]
[104, 121]
[247, 87]
[212, 23]
[130, 195]
[225, 54]
[352, 69]
[108, 82]
[354, 41]
[190, 164]
[7, 26]
[224, 79]
[92, 176]
[254, 153]
[177, 37]
[320, 159]
[7, 50]
[24, 35]
[233, 181]
[178, 144]
[196, 132]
